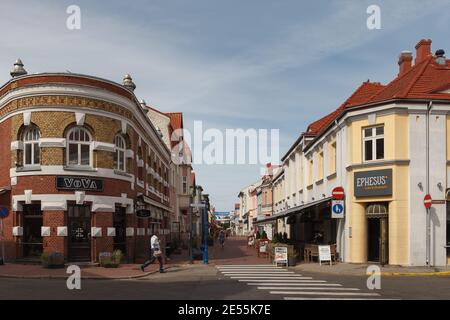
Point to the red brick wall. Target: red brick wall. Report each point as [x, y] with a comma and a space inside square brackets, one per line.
[54, 219]
[104, 243]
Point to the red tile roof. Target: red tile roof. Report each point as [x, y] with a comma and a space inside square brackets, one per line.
[425, 80]
[361, 95]
[176, 119]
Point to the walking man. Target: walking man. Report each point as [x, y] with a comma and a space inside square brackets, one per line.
[155, 253]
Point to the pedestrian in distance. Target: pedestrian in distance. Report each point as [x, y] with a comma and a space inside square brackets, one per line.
[221, 238]
[155, 253]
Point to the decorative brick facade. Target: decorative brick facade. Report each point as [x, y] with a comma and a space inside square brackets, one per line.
[104, 110]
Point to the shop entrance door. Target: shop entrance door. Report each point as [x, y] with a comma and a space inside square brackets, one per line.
[79, 218]
[119, 223]
[377, 232]
[32, 238]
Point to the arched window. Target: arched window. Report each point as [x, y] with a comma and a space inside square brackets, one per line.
[31, 150]
[78, 147]
[119, 153]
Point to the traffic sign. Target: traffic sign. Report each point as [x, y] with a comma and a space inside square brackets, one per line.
[338, 193]
[198, 205]
[337, 209]
[4, 212]
[427, 201]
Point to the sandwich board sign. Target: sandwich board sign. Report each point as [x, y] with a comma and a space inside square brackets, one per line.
[325, 254]
[281, 255]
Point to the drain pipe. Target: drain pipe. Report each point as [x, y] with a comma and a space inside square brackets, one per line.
[428, 235]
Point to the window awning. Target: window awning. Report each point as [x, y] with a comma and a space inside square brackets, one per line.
[294, 210]
[376, 210]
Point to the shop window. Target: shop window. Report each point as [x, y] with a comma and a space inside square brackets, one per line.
[373, 143]
[78, 147]
[31, 150]
[119, 153]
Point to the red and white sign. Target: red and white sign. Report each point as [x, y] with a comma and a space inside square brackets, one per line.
[338, 193]
[427, 201]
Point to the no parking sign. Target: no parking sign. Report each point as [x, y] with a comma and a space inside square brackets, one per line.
[337, 209]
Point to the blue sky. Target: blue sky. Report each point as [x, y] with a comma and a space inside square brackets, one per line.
[232, 64]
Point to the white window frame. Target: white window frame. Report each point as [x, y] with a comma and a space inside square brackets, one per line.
[120, 147]
[31, 136]
[79, 144]
[374, 139]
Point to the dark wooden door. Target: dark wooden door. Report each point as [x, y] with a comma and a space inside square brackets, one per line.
[32, 223]
[119, 222]
[374, 239]
[79, 218]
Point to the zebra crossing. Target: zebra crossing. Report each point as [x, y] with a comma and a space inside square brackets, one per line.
[289, 285]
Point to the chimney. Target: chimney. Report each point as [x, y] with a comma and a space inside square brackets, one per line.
[269, 170]
[405, 62]
[423, 50]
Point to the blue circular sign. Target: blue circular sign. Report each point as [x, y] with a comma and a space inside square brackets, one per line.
[4, 212]
[338, 208]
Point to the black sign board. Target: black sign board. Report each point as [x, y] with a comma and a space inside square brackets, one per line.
[79, 183]
[143, 213]
[373, 183]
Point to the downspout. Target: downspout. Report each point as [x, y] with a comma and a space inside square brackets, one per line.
[428, 240]
[341, 223]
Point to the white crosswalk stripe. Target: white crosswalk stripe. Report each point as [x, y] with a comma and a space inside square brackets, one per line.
[292, 286]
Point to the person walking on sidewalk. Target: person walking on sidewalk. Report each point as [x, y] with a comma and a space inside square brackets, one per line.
[155, 253]
[221, 238]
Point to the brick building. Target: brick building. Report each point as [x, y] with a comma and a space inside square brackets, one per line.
[83, 169]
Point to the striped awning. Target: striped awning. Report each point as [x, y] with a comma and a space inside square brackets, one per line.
[376, 210]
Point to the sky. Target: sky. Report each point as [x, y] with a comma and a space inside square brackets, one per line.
[261, 64]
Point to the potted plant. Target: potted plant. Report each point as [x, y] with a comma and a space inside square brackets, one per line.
[52, 260]
[264, 235]
[111, 260]
[285, 237]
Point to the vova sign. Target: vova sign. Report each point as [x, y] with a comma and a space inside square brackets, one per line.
[79, 183]
[373, 183]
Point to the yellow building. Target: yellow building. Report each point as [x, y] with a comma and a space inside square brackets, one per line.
[387, 146]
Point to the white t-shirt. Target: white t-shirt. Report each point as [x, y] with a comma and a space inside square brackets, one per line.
[154, 243]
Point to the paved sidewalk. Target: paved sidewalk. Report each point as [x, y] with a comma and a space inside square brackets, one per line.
[235, 251]
[124, 271]
[361, 270]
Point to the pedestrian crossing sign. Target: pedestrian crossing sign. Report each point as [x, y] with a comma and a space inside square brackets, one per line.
[337, 209]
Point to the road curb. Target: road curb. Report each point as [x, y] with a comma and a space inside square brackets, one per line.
[49, 277]
[412, 274]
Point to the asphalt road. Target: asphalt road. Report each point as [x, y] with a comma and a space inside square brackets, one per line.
[208, 283]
